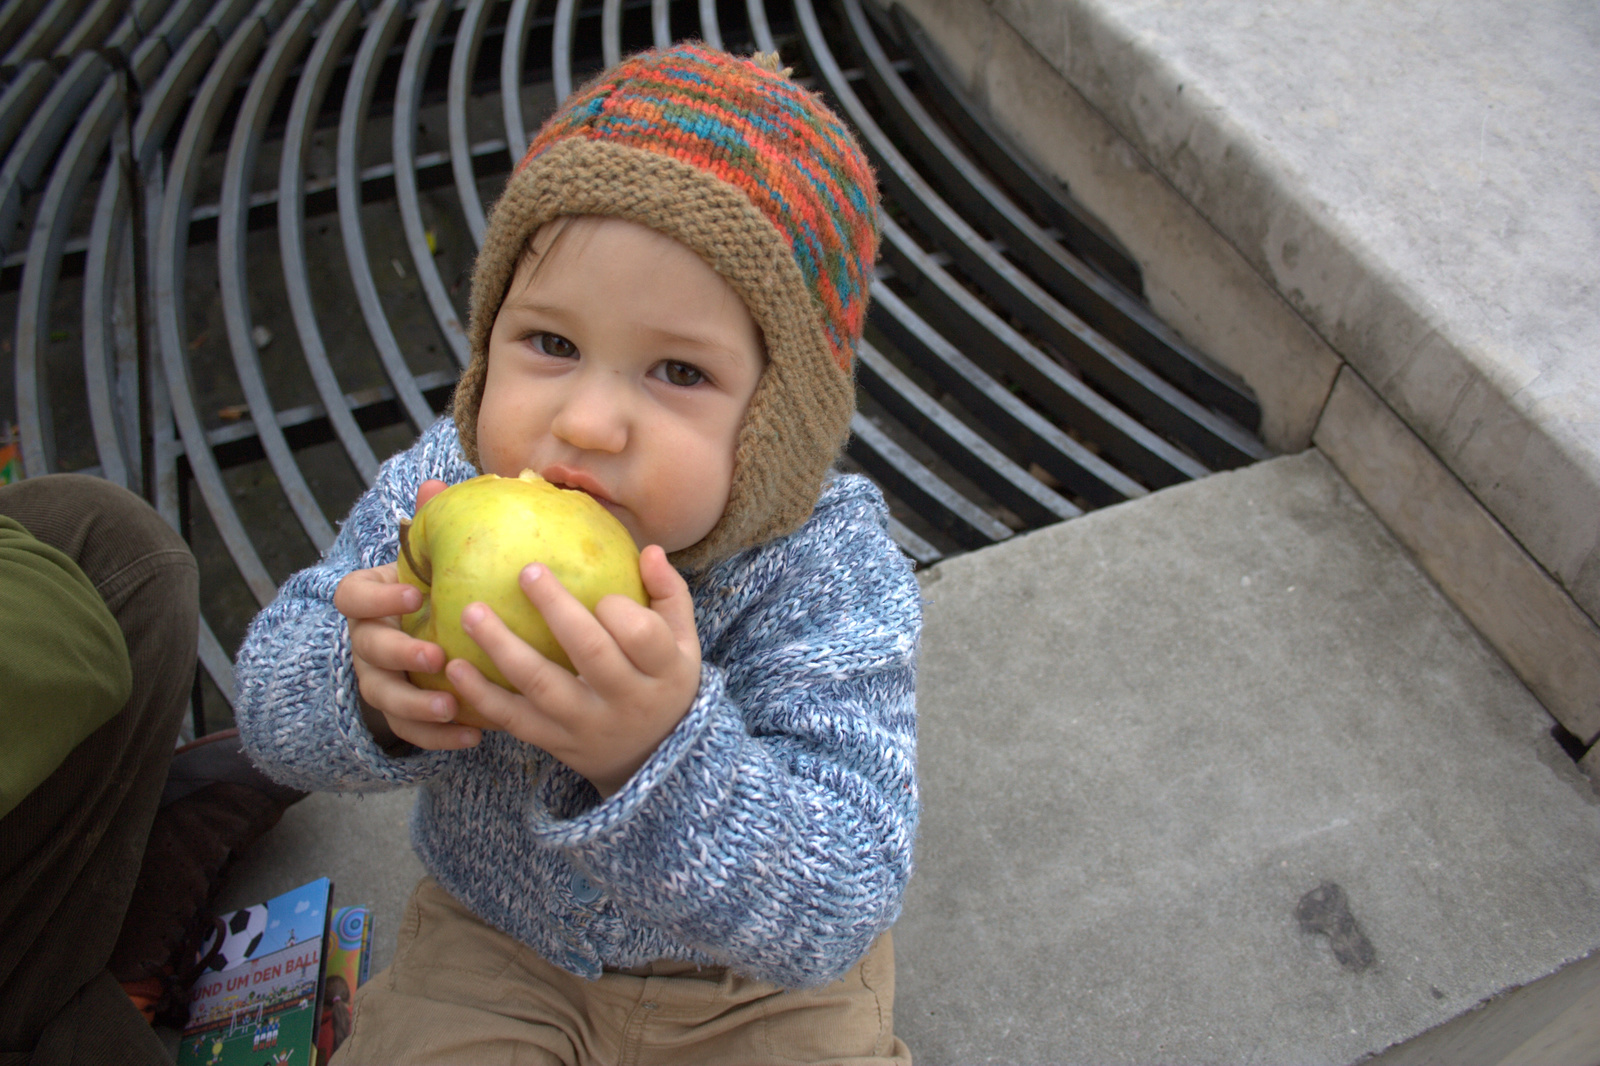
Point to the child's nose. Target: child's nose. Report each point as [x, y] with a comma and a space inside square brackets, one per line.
[593, 416]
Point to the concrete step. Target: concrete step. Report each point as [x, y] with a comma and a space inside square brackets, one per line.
[1153, 740]
[1220, 776]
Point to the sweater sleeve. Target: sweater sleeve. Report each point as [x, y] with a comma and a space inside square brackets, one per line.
[773, 829]
[297, 705]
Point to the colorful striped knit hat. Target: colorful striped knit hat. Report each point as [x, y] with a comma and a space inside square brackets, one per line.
[730, 158]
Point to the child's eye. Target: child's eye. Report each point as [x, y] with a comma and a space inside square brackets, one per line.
[681, 374]
[554, 345]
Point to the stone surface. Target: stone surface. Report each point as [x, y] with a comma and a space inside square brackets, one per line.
[1552, 1022]
[1419, 182]
[1151, 734]
[1547, 640]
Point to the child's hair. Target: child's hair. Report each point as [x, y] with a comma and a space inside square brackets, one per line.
[757, 176]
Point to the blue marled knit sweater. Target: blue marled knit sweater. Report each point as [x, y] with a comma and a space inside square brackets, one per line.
[771, 832]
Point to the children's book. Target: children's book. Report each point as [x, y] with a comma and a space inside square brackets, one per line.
[349, 958]
[259, 995]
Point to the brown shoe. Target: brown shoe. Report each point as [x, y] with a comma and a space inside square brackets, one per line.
[215, 805]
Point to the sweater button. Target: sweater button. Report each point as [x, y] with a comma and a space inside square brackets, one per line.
[583, 890]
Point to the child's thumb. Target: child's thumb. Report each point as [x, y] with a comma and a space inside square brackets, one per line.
[668, 592]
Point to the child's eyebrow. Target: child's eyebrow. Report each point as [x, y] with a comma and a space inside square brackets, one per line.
[526, 306]
[688, 339]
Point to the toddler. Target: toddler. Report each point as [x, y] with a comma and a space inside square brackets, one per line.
[692, 849]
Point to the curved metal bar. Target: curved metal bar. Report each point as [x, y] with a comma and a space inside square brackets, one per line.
[1069, 462]
[232, 219]
[224, 15]
[215, 658]
[42, 136]
[661, 22]
[710, 32]
[332, 38]
[15, 18]
[407, 98]
[924, 553]
[146, 394]
[352, 117]
[90, 29]
[48, 27]
[1108, 309]
[759, 29]
[929, 494]
[109, 250]
[167, 292]
[959, 444]
[561, 51]
[982, 332]
[21, 98]
[611, 33]
[463, 58]
[1217, 440]
[113, 404]
[1080, 231]
[162, 102]
[129, 32]
[42, 269]
[512, 46]
[179, 21]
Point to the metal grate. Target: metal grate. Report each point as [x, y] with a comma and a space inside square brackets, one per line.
[236, 239]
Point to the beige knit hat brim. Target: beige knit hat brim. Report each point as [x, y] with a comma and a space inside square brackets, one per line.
[799, 417]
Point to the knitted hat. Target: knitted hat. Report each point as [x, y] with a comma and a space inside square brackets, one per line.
[730, 158]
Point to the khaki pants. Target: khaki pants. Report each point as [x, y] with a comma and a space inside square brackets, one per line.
[462, 992]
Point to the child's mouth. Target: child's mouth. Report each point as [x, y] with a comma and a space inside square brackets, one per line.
[577, 481]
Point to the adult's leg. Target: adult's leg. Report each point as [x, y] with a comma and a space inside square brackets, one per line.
[70, 852]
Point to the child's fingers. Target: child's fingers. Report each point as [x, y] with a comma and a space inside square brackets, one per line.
[669, 594]
[400, 700]
[387, 647]
[593, 651]
[506, 710]
[428, 490]
[375, 593]
[536, 677]
[660, 639]
[434, 737]
[645, 639]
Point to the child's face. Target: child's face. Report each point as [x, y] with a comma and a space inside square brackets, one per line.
[622, 364]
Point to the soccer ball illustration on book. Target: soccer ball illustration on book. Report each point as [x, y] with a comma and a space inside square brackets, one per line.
[228, 945]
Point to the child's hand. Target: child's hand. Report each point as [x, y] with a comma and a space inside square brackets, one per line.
[373, 600]
[638, 672]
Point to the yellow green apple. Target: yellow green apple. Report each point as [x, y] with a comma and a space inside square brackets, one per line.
[469, 543]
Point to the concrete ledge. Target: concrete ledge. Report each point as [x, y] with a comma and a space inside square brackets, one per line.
[1552, 645]
[1552, 1022]
[1417, 182]
[1149, 733]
